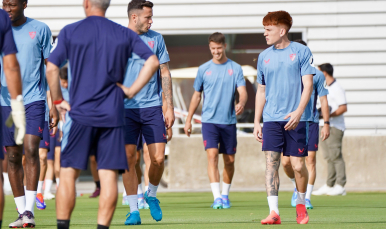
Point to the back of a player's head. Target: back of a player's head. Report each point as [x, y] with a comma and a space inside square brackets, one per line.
[301, 42]
[327, 67]
[218, 38]
[278, 18]
[138, 5]
[63, 73]
[101, 4]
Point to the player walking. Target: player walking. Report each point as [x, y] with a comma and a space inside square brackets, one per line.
[11, 73]
[284, 79]
[319, 89]
[144, 112]
[33, 41]
[218, 79]
[97, 51]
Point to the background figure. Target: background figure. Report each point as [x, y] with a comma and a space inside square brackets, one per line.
[332, 147]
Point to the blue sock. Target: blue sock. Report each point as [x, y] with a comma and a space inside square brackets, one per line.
[140, 195]
[225, 197]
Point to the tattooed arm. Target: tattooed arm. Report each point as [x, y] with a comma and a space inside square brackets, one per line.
[272, 181]
[167, 88]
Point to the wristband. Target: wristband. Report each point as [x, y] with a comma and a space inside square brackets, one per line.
[327, 122]
[57, 102]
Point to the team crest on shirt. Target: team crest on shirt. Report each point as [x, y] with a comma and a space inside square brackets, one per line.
[32, 35]
[230, 72]
[208, 73]
[151, 44]
[292, 57]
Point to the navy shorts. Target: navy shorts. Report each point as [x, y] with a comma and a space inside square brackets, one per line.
[146, 121]
[79, 142]
[1, 140]
[313, 136]
[291, 143]
[220, 136]
[54, 142]
[45, 142]
[34, 115]
[141, 141]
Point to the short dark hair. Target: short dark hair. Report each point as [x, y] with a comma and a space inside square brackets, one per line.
[218, 38]
[327, 67]
[301, 42]
[63, 73]
[138, 5]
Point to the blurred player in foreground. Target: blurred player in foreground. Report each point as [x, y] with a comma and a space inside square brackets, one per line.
[94, 116]
[218, 79]
[285, 82]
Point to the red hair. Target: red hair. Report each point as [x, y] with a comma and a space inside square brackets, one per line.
[278, 18]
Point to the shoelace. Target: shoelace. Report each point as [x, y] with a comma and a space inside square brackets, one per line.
[29, 215]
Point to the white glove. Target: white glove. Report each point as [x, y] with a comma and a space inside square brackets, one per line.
[17, 117]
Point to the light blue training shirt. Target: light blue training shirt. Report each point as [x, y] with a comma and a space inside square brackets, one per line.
[319, 91]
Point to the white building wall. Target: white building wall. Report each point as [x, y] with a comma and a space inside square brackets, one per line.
[351, 35]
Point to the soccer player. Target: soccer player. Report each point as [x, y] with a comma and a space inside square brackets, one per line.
[313, 136]
[33, 41]
[11, 72]
[218, 79]
[284, 79]
[97, 51]
[144, 112]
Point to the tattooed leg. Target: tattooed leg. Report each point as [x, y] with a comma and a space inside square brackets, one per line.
[272, 181]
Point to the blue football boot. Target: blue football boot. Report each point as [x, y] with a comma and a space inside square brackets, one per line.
[155, 209]
[294, 197]
[133, 219]
[308, 204]
[226, 203]
[217, 204]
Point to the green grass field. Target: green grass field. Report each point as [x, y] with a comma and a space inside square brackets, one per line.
[192, 210]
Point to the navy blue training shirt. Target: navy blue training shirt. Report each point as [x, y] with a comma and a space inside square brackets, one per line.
[97, 51]
[7, 43]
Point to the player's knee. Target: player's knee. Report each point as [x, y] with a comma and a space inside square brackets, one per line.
[158, 161]
[230, 162]
[43, 158]
[31, 152]
[286, 164]
[311, 161]
[298, 167]
[14, 159]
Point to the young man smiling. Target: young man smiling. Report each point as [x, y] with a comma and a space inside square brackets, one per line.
[218, 79]
[284, 79]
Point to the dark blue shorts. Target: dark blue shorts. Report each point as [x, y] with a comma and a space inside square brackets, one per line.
[141, 141]
[54, 142]
[291, 143]
[313, 136]
[146, 121]
[2, 125]
[45, 142]
[35, 116]
[79, 142]
[220, 136]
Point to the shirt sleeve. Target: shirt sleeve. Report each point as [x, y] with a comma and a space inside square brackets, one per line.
[306, 62]
[260, 74]
[8, 45]
[59, 53]
[46, 41]
[340, 96]
[162, 52]
[199, 82]
[139, 47]
[320, 87]
[240, 78]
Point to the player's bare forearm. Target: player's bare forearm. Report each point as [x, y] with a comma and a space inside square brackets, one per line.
[324, 108]
[243, 95]
[164, 105]
[196, 99]
[167, 85]
[12, 75]
[272, 181]
[307, 92]
[341, 110]
[52, 74]
[260, 103]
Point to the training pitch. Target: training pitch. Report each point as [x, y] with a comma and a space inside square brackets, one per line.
[192, 210]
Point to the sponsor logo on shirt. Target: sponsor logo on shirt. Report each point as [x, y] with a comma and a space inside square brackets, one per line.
[208, 73]
[151, 44]
[230, 72]
[267, 61]
[292, 57]
[32, 35]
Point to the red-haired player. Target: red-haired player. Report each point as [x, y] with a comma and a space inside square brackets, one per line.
[285, 85]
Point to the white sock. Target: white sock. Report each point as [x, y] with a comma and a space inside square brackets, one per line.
[133, 202]
[152, 190]
[310, 187]
[48, 186]
[40, 186]
[146, 188]
[20, 204]
[25, 189]
[139, 192]
[301, 198]
[5, 175]
[273, 203]
[225, 189]
[57, 182]
[293, 182]
[30, 198]
[124, 192]
[215, 190]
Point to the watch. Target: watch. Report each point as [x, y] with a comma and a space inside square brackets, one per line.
[327, 122]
